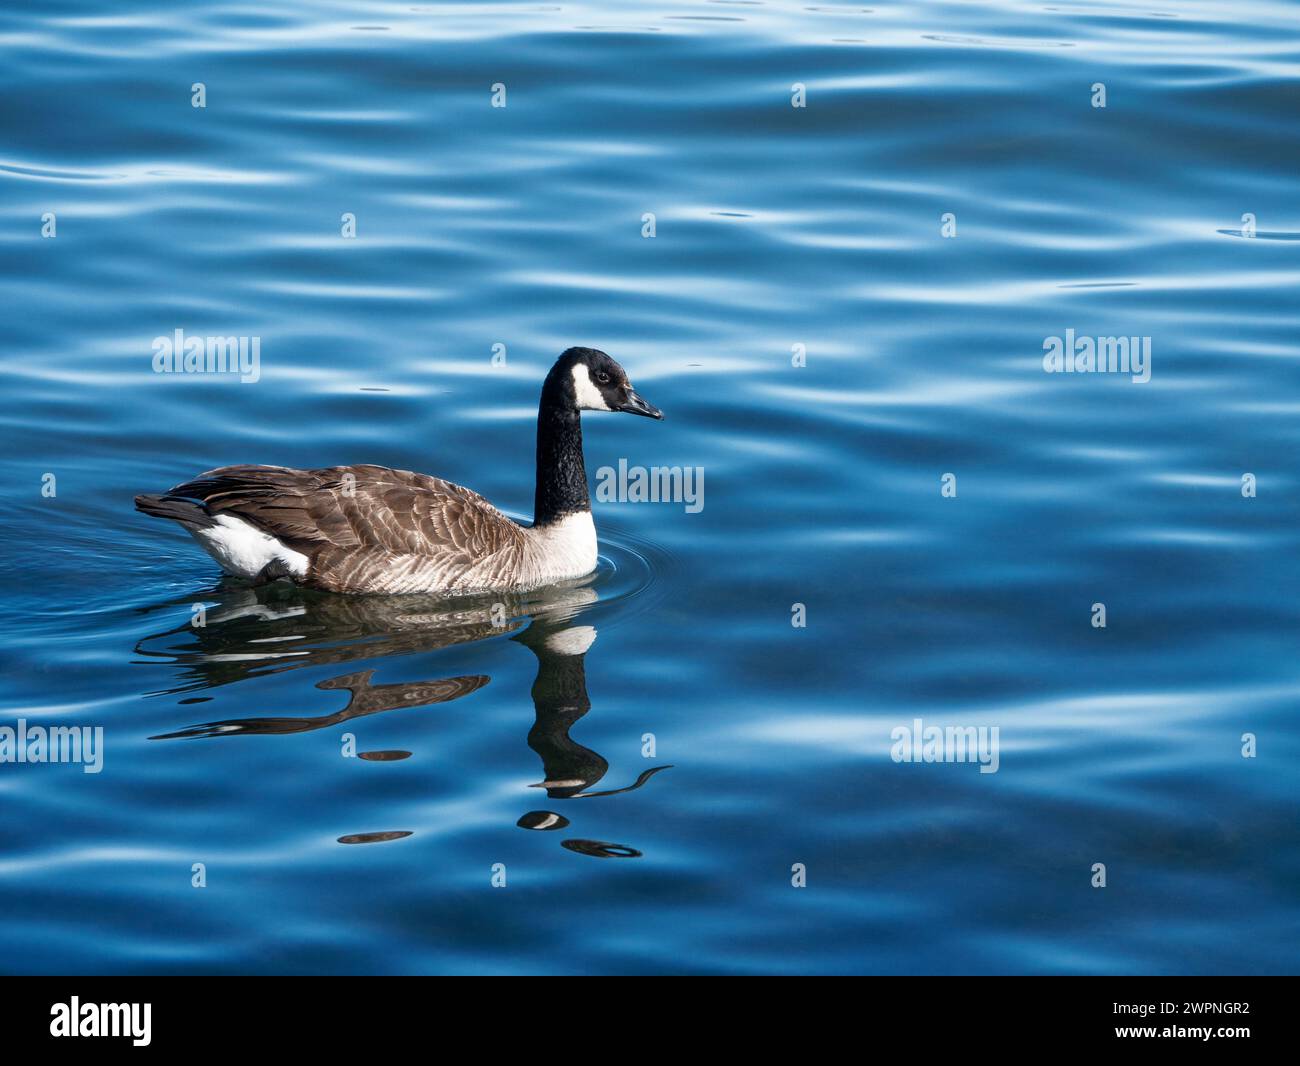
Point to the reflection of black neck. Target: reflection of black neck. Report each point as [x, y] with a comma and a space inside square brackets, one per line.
[560, 699]
[561, 476]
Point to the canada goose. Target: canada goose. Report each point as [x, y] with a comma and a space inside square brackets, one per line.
[371, 529]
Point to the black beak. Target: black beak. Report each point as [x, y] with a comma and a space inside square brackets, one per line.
[634, 405]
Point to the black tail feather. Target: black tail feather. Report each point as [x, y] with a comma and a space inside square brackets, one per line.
[188, 513]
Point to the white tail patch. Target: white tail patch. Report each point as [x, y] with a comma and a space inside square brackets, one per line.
[243, 550]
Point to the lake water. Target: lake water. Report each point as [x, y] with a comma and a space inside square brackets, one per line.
[726, 748]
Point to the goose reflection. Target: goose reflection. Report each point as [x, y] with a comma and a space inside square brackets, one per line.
[366, 698]
[560, 699]
[251, 632]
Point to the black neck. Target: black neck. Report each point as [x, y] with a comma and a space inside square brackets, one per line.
[561, 476]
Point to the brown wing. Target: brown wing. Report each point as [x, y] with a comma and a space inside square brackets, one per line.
[344, 510]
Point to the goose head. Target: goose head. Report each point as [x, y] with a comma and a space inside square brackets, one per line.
[587, 379]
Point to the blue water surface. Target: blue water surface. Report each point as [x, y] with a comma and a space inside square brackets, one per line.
[782, 235]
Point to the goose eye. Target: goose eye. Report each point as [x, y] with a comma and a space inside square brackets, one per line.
[602, 378]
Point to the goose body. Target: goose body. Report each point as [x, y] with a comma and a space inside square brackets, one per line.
[371, 529]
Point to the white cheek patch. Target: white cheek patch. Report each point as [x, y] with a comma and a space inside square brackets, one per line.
[589, 397]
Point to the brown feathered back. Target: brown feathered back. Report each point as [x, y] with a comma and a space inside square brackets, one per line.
[369, 528]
